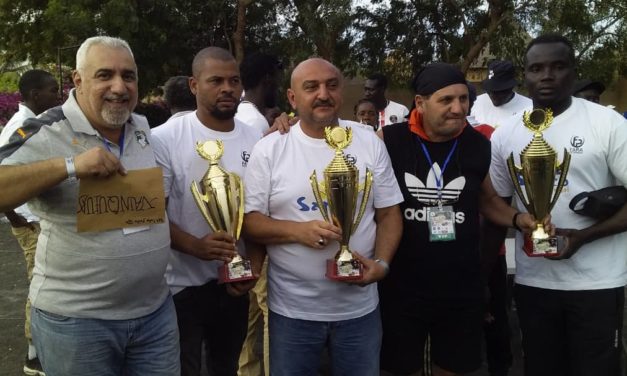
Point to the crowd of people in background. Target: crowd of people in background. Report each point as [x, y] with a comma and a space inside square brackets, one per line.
[147, 300]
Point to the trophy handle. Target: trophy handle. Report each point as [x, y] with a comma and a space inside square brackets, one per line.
[315, 187]
[200, 199]
[563, 169]
[237, 181]
[513, 173]
[364, 200]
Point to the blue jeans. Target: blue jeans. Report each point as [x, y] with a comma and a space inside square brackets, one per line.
[69, 346]
[296, 345]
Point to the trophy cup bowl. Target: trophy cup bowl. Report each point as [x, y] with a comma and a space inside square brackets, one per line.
[220, 199]
[340, 189]
[539, 168]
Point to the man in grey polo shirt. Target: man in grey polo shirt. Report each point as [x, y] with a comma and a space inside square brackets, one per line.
[100, 301]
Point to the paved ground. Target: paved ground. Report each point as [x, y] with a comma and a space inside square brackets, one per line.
[13, 289]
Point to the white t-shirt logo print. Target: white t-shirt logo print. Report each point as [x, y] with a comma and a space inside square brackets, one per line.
[428, 193]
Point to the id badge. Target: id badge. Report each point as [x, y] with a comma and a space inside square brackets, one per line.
[441, 222]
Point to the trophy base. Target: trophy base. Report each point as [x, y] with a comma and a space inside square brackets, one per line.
[235, 272]
[348, 271]
[540, 247]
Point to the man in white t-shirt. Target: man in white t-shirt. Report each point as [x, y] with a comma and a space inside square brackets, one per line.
[206, 311]
[261, 74]
[390, 112]
[570, 307]
[39, 91]
[307, 310]
[500, 102]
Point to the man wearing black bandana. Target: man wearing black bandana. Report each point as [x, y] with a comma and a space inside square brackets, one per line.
[434, 288]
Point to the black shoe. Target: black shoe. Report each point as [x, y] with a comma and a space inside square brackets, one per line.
[32, 367]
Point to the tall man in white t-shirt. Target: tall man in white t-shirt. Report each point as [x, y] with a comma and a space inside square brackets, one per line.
[307, 310]
[500, 102]
[207, 312]
[390, 112]
[570, 307]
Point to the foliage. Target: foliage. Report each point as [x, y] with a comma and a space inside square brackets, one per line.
[396, 37]
[8, 106]
[8, 82]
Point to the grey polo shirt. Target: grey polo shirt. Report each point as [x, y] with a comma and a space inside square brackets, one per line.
[102, 275]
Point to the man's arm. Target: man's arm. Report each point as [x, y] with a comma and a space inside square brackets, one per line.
[265, 230]
[389, 231]
[19, 184]
[500, 212]
[574, 239]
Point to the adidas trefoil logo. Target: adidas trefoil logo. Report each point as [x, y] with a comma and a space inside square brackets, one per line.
[428, 193]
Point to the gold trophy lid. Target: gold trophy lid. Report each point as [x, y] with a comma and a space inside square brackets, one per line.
[338, 139]
[210, 150]
[538, 119]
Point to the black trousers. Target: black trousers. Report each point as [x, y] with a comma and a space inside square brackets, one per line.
[498, 333]
[208, 314]
[571, 333]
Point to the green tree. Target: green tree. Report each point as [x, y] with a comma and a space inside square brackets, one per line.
[164, 34]
[401, 36]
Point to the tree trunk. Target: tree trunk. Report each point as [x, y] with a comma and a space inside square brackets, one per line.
[497, 14]
[238, 34]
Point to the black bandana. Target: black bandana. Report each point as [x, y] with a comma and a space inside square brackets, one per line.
[436, 76]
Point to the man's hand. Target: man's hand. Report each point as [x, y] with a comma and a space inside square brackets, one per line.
[17, 220]
[242, 287]
[572, 242]
[316, 234]
[282, 124]
[527, 223]
[373, 271]
[216, 246]
[97, 162]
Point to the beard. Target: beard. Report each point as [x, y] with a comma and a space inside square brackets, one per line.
[223, 114]
[115, 118]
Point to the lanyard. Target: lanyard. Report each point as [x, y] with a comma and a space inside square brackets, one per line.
[106, 143]
[438, 180]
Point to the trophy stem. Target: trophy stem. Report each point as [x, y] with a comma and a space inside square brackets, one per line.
[539, 232]
[238, 258]
[344, 254]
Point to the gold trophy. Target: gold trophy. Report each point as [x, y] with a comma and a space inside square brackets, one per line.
[538, 172]
[220, 199]
[340, 189]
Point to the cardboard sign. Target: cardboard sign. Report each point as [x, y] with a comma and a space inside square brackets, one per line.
[136, 199]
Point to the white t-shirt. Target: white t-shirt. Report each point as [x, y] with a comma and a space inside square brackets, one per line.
[486, 113]
[277, 185]
[175, 151]
[596, 137]
[248, 114]
[11, 126]
[393, 113]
